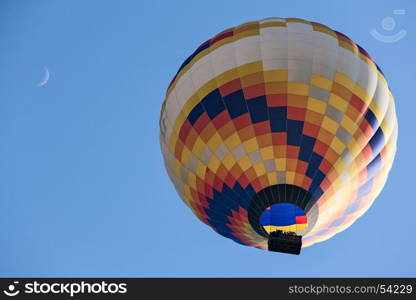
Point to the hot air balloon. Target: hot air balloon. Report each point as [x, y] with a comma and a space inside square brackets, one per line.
[278, 133]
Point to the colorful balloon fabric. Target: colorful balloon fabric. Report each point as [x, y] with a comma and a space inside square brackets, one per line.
[279, 123]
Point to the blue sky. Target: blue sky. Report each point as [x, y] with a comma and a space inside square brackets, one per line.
[83, 187]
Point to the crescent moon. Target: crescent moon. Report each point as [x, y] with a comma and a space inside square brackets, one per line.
[45, 78]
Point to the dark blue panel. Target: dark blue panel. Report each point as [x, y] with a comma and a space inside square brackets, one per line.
[250, 191]
[378, 68]
[195, 113]
[377, 141]
[218, 213]
[233, 197]
[371, 118]
[243, 195]
[278, 118]
[314, 163]
[294, 132]
[278, 113]
[213, 104]
[319, 176]
[318, 193]
[227, 234]
[365, 189]
[374, 166]
[306, 147]
[236, 104]
[338, 222]
[258, 109]
[278, 125]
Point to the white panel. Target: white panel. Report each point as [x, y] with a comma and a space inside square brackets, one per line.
[201, 74]
[247, 50]
[269, 53]
[348, 63]
[184, 90]
[367, 78]
[298, 27]
[273, 19]
[381, 96]
[275, 64]
[223, 58]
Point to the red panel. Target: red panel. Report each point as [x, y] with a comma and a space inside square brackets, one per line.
[261, 128]
[276, 100]
[279, 138]
[292, 152]
[254, 91]
[221, 119]
[183, 132]
[242, 121]
[296, 113]
[230, 87]
[301, 219]
[221, 36]
[358, 103]
[310, 130]
[202, 121]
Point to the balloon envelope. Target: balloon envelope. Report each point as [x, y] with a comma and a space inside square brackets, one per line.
[278, 124]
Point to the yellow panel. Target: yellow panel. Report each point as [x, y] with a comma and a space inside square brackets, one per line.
[214, 164]
[344, 80]
[324, 29]
[300, 227]
[251, 145]
[233, 141]
[280, 164]
[316, 105]
[259, 168]
[187, 191]
[376, 110]
[272, 178]
[354, 147]
[207, 88]
[271, 228]
[267, 153]
[244, 163]
[246, 33]
[177, 167]
[227, 76]
[338, 102]
[337, 145]
[201, 170]
[228, 161]
[297, 88]
[273, 24]
[339, 166]
[189, 105]
[198, 147]
[250, 68]
[290, 177]
[348, 124]
[185, 156]
[330, 125]
[321, 81]
[214, 142]
[360, 92]
[275, 75]
[192, 180]
[296, 20]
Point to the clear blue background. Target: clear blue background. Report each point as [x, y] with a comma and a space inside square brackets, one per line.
[83, 188]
